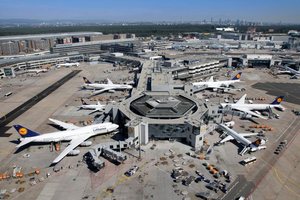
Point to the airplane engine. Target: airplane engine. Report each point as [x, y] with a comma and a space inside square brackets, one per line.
[247, 116]
[229, 124]
[215, 89]
[280, 108]
[263, 142]
[265, 113]
[86, 144]
[74, 153]
[111, 91]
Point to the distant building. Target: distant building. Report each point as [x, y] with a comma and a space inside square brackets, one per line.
[228, 29]
[13, 45]
[117, 45]
[10, 48]
[12, 67]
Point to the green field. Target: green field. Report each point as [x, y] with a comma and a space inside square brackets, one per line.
[139, 30]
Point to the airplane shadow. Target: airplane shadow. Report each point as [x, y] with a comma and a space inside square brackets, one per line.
[39, 144]
[251, 120]
[56, 126]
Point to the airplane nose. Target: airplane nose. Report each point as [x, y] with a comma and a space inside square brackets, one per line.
[115, 126]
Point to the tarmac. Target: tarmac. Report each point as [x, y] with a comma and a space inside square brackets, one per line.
[291, 91]
[271, 177]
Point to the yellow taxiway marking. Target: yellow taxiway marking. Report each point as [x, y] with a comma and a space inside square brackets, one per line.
[284, 184]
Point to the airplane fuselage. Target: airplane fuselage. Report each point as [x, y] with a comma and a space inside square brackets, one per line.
[110, 86]
[68, 135]
[92, 107]
[248, 145]
[253, 106]
[216, 84]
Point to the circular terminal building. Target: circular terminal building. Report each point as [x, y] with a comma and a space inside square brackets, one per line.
[163, 106]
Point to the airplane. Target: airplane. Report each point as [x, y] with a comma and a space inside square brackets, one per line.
[94, 107]
[100, 87]
[288, 70]
[217, 85]
[240, 105]
[240, 137]
[37, 71]
[76, 64]
[76, 135]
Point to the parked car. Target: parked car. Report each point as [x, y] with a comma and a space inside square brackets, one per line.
[132, 171]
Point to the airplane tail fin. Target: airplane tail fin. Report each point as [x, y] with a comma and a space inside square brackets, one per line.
[83, 102]
[211, 79]
[278, 100]
[86, 80]
[109, 81]
[25, 132]
[237, 77]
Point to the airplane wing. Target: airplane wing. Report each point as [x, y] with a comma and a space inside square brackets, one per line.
[24, 142]
[94, 111]
[73, 144]
[67, 126]
[250, 112]
[226, 139]
[96, 92]
[241, 100]
[247, 134]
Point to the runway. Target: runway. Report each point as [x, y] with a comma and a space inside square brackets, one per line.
[34, 100]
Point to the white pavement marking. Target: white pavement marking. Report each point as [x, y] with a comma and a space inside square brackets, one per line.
[286, 129]
[48, 191]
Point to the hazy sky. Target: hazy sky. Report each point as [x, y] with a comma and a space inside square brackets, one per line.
[153, 10]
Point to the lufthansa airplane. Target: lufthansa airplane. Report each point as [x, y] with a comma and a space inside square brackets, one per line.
[253, 109]
[217, 85]
[100, 87]
[76, 135]
[95, 107]
[240, 138]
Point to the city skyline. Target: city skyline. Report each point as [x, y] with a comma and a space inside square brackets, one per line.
[152, 11]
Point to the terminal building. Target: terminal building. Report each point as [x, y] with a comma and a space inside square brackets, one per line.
[193, 67]
[162, 108]
[12, 67]
[117, 45]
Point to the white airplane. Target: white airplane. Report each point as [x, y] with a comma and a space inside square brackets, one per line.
[100, 87]
[37, 71]
[67, 65]
[294, 73]
[217, 85]
[240, 137]
[249, 109]
[94, 107]
[76, 135]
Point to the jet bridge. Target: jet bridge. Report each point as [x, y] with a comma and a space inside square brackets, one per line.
[107, 150]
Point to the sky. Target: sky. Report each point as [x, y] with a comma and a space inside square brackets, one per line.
[285, 11]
